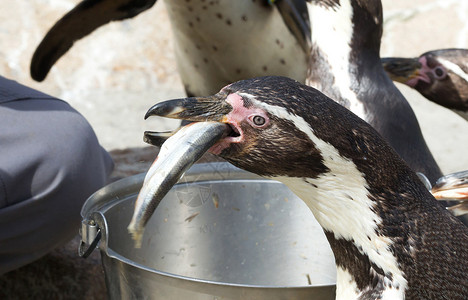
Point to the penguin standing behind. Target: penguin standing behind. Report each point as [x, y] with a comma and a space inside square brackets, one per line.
[216, 42]
[440, 75]
[391, 239]
[345, 65]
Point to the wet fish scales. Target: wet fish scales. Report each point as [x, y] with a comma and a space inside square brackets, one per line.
[177, 154]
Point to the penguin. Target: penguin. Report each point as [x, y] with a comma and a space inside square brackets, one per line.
[216, 42]
[441, 76]
[344, 64]
[390, 237]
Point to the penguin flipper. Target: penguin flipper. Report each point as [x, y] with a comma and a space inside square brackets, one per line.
[77, 23]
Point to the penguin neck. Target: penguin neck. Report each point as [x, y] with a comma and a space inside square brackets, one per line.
[350, 201]
[343, 202]
[338, 60]
[352, 221]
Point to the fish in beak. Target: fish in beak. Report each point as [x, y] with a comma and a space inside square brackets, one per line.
[200, 109]
[216, 108]
[225, 124]
[180, 151]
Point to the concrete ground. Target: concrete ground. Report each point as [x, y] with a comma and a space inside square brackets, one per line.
[113, 76]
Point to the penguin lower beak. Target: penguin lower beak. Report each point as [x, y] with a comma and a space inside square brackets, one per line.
[156, 138]
[197, 109]
[401, 69]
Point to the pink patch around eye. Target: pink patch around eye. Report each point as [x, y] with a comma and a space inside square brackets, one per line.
[238, 114]
[422, 73]
[237, 104]
[239, 111]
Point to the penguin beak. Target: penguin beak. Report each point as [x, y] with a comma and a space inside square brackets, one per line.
[197, 109]
[402, 69]
[157, 138]
[211, 108]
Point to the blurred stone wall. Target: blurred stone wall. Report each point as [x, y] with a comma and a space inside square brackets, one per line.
[114, 75]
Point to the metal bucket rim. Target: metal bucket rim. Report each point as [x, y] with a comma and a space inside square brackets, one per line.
[106, 196]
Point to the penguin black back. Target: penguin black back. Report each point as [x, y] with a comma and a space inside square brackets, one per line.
[345, 65]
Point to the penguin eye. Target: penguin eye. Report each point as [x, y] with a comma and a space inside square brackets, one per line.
[439, 72]
[258, 120]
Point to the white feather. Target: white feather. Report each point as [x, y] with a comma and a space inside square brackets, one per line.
[454, 68]
[346, 287]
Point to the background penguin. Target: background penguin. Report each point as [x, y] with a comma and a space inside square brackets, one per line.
[216, 42]
[345, 65]
[391, 239]
[440, 75]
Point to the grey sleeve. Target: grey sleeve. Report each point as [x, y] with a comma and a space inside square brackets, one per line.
[50, 162]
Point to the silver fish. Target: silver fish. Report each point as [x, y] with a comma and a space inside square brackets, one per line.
[453, 187]
[177, 154]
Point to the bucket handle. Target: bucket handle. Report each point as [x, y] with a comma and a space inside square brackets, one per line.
[85, 253]
[90, 237]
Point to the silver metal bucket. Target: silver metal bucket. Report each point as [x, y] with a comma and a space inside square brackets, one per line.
[220, 233]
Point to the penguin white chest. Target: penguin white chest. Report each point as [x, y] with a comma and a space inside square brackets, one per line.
[219, 42]
[331, 36]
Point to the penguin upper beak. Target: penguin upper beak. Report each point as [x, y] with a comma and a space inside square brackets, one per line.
[199, 109]
[402, 69]
[210, 108]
